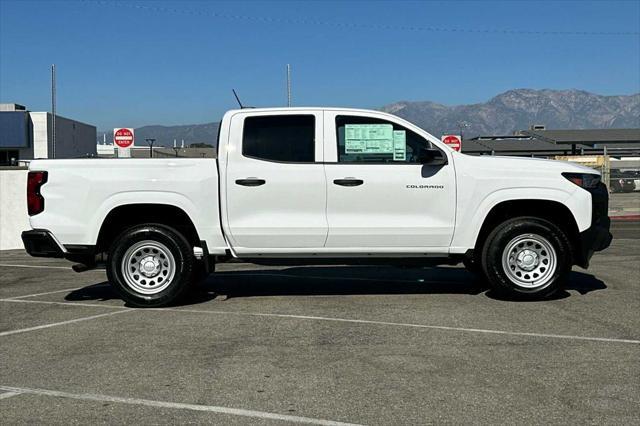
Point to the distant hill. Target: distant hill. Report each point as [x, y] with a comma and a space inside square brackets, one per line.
[502, 115]
[518, 109]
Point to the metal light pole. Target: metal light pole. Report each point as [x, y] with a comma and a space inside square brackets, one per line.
[53, 110]
[462, 125]
[288, 85]
[150, 141]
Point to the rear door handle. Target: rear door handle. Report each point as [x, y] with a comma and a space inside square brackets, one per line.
[250, 182]
[348, 182]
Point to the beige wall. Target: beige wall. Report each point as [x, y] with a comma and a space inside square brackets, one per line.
[40, 134]
[13, 208]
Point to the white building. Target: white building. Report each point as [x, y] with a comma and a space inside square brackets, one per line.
[26, 135]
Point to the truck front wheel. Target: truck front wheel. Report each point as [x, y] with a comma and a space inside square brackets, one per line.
[150, 265]
[527, 258]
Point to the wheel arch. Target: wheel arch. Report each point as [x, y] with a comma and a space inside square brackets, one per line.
[127, 215]
[553, 211]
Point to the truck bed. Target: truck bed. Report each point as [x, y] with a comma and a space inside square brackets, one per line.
[79, 193]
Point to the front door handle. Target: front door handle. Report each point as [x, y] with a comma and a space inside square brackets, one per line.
[250, 182]
[348, 182]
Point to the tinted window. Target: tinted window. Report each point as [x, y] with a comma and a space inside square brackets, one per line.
[372, 140]
[289, 138]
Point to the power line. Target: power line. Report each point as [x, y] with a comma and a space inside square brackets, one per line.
[357, 26]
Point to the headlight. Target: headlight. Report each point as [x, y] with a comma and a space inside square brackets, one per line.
[583, 180]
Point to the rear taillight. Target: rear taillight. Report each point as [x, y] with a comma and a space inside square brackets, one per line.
[35, 200]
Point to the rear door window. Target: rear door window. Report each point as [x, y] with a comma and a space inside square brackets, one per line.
[282, 138]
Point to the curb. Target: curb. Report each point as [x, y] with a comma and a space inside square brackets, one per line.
[625, 218]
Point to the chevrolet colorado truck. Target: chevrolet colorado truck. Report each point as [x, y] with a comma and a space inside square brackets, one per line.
[317, 186]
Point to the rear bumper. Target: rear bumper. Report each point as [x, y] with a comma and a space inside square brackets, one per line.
[40, 243]
[597, 237]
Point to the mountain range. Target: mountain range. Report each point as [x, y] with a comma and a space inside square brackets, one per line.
[507, 112]
[519, 109]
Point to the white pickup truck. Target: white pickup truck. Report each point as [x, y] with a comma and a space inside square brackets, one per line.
[317, 186]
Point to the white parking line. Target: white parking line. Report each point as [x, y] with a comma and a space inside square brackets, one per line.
[9, 394]
[177, 405]
[49, 302]
[350, 320]
[35, 266]
[25, 296]
[69, 268]
[55, 324]
[400, 324]
[44, 294]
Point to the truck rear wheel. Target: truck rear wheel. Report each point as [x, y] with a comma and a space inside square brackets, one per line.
[527, 258]
[150, 265]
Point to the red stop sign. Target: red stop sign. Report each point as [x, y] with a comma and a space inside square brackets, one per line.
[123, 137]
[453, 141]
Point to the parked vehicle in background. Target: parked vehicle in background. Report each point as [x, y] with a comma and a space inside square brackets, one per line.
[318, 185]
[623, 181]
[635, 175]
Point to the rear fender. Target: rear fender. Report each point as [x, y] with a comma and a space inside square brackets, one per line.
[206, 227]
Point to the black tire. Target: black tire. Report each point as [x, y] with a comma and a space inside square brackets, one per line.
[178, 249]
[505, 282]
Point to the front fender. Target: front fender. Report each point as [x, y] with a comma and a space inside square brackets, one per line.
[471, 217]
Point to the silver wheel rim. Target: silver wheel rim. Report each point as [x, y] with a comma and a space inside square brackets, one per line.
[148, 267]
[530, 261]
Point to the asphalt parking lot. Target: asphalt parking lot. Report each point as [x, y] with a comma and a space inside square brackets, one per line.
[319, 345]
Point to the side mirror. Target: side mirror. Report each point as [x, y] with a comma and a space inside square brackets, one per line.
[432, 157]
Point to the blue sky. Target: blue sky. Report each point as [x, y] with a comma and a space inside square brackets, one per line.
[137, 63]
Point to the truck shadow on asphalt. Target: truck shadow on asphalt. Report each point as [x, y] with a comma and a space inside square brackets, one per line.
[318, 281]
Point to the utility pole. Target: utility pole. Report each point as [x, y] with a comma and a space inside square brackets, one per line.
[53, 110]
[288, 85]
[462, 125]
[150, 141]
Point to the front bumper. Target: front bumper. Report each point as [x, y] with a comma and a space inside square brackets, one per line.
[40, 243]
[597, 237]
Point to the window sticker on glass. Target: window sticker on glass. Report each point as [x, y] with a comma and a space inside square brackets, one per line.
[368, 139]
[399, 145]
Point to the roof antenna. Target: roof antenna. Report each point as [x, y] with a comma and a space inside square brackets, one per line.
[237, 98]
